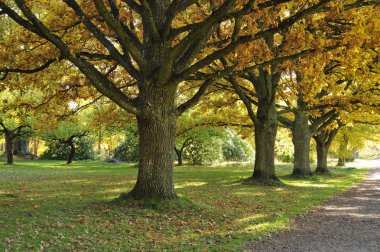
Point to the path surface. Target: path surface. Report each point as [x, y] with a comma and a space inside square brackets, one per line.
[349, 222]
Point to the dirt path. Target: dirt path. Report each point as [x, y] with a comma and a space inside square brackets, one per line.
[349, 222]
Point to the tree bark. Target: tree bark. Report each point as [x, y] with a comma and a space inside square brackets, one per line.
[324, 140]
[71, 155]
[100, 140]
[9, 149]
[343, 149]
[341, 161]
[157, 128]
[36, 143]
[322, 152]
[301, 137]
[179, 156]
[265, 135]
[265, 126]
[21, 147]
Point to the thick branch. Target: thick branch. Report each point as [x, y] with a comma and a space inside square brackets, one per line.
[195, 99]
[325, 124]
[285, 122]
[181, 48]
[124, 38]
[149, 18]
[5, 71]
[123, 60]
[244, 98]
[133, 5]
[285, 24]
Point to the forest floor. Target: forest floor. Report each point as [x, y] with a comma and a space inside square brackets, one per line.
[348, 222]
[49, 206]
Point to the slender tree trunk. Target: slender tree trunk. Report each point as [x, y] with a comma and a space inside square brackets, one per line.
[9, 149]
[100, 140]
[71, 155]
[179, 156]
[180, 160]
[343, 149]
[157, 128]
[355, 153]
[301, 141]
[36, 143]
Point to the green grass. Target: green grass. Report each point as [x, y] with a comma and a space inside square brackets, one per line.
[46, 205]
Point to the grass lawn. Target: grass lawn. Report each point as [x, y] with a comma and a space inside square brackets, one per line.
[45, 205]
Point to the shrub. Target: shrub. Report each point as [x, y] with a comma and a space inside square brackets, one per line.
[285, 157]
[236, 149]
[213, 145]
[128, 150]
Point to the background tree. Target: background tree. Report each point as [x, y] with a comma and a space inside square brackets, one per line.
[258, 83]
[11, 134]
[360, 128]
[66, 133]
[340, 74]
[324, 140]
[16, 121]
[108, 123]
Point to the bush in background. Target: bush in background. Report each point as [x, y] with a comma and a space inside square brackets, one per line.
[58, 151]
[128, 150]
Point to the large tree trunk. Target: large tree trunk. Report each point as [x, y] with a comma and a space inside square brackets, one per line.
[301, 141]
[265, 126]
[9, 149]
[157, 128]
[71, 155]
[265, 135]
[157, 114]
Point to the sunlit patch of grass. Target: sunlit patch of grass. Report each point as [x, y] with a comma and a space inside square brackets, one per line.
[251, 218]
[190, 184]
[308, 184]
[274, 224]
[65, 208]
